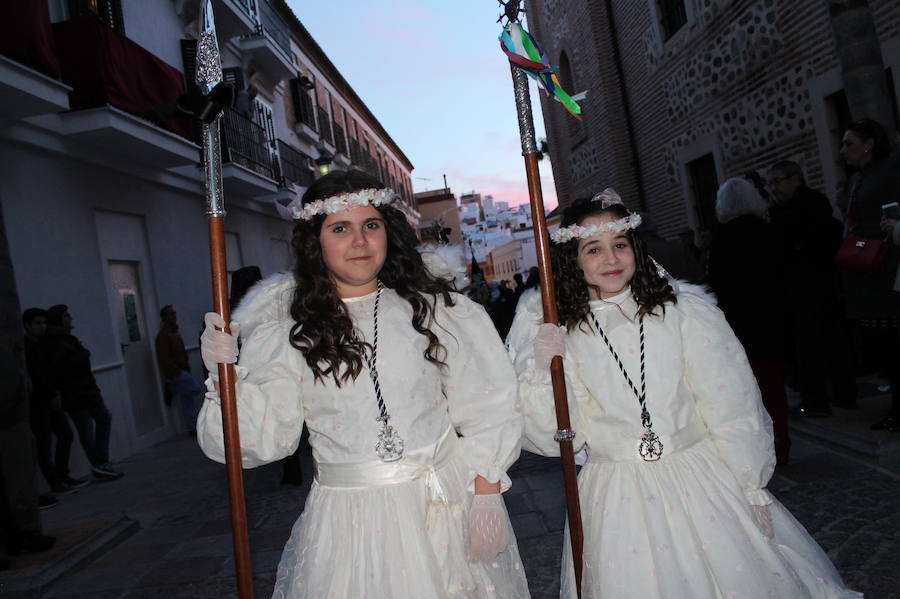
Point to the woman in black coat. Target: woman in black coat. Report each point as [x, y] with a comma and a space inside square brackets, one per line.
[746, 274]
[870, 297]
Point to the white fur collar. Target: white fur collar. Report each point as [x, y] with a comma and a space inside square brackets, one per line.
[270, 299]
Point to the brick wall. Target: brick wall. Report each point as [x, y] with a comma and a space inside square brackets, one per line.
[734, 81]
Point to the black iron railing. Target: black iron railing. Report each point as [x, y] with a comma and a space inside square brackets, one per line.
[340, 142]
[271, 24]
[245, 143]
[324, 125]
[294, 165]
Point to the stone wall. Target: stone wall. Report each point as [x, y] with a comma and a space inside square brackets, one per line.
[735, 81]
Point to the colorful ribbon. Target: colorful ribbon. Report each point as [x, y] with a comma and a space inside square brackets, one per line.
[525, 52]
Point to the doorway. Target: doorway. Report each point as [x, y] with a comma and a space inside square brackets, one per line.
[130, 320]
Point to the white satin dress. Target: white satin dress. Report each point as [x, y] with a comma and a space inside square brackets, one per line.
[680, 527]
[372, 529]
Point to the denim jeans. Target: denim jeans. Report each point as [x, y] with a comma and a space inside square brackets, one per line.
[185, 390]
[93, 426]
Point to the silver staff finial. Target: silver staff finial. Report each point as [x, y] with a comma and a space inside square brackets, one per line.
[209, 66]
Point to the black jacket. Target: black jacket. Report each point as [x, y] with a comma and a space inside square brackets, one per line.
[70, 368]
[745, 272]
[809, 237]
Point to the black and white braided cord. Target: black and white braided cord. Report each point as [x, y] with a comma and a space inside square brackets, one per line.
[372, 359]
[646, 422]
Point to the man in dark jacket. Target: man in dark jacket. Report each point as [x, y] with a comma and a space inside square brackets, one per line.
[70, 364]
[809, 238]
[47, 416]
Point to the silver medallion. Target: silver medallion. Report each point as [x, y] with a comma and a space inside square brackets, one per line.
[651, 447]
[390, 446]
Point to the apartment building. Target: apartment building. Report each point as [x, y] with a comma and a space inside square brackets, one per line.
[102, 191]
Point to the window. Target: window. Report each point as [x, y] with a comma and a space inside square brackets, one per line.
[672, 15]
[304, 111]
[108, 11]
[704, 185]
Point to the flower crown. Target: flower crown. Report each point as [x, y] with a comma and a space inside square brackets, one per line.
[343, 202]
[607, 198]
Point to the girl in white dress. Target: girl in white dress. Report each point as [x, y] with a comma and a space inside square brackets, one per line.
[409, 397]
[680, 448]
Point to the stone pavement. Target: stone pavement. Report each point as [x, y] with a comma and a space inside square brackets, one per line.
[163, 530]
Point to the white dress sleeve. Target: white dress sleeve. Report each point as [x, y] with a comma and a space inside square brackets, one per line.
[270, 413]
[727, 396]
[535, 387]
[480, 387]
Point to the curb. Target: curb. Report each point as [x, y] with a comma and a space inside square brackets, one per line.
[33, 585]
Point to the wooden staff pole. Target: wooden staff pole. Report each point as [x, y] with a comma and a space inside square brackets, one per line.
[209, 78]
[564, 435]
[239, 533]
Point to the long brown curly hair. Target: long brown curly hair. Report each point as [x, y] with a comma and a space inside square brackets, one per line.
[323, 329]
[650, 290]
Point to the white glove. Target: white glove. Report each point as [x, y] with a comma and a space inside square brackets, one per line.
[550, 341]
[217, 346]
[488, 527]
[763, 519]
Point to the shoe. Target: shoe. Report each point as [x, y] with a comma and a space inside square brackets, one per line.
[888, 423]
[45, 502]
[76, 483]
[816, 412]
[104, 470]
[30, 543]
[62, 488]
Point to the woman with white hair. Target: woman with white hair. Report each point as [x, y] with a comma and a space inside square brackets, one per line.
[744, 265]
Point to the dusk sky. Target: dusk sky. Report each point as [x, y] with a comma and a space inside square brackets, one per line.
[434, 76]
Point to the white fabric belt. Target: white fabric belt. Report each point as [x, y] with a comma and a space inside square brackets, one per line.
[415, 464]
[625, 449]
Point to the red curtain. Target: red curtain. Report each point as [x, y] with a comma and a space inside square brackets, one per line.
[105, 67]
[26, 36]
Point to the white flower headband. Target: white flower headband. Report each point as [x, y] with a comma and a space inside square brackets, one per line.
[607, 198]
[343, 202]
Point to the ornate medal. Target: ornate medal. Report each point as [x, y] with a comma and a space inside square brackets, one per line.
[651, 447]
[390, 446]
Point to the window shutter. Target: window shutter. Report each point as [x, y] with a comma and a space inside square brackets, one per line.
[234, 76]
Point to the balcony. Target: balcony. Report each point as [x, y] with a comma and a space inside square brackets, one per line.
[29, 68]
[234, 17]
[295, 166]
[249, 168]
[127, 137]
[25, 92]
[269, 46]
[105, 68]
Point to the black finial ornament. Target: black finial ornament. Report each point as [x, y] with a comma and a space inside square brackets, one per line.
[511, 11]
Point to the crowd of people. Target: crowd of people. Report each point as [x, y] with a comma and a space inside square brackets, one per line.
[814, 299]
[39, 408]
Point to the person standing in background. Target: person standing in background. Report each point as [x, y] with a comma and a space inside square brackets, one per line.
[176, 371]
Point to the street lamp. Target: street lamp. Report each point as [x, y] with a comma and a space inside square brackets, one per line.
[323, 162]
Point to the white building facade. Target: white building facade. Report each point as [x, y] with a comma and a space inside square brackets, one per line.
[102, 190]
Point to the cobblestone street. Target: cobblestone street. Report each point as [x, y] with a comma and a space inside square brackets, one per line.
[163, 530]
